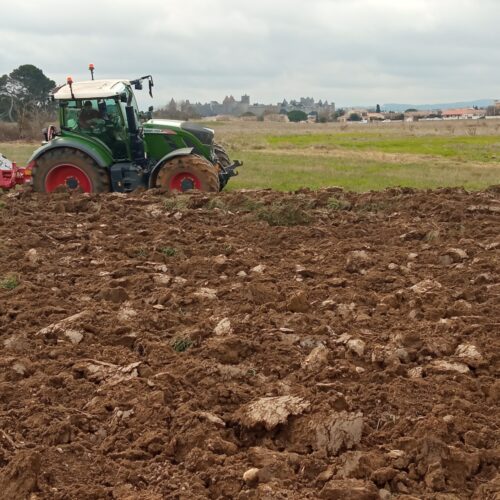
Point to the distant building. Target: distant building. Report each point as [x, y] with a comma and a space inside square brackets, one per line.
[230, 106]
[413, 116]
[347, 117]
[462, 113]
[375, 117]
[318, 109]
[445, 114]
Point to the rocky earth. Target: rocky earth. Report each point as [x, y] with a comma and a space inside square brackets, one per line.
[250, 345]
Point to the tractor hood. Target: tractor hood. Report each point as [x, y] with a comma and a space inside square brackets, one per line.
[203, 134]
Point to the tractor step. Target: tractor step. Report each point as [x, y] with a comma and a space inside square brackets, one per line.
[126, 176]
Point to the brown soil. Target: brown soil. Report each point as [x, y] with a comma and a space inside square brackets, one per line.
[188, 349]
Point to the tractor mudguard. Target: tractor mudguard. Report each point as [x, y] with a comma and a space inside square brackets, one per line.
[161, 161]
[102, 157]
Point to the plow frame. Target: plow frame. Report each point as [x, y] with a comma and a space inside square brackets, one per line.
[11, 175]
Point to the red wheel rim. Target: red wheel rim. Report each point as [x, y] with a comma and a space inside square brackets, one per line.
[184, 181]
[69, 176]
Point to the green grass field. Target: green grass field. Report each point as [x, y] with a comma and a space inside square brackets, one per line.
[288, 171]
[479, 148]
[18, 151]
[287, 156]
[360, 158]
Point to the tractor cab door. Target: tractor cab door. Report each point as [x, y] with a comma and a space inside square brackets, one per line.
[99, 118]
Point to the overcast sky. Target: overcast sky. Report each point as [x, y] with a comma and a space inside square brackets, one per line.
[346, 51]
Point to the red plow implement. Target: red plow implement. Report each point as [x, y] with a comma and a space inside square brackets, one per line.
[11, 175]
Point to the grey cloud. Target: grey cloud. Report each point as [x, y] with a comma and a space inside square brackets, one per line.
[343, 50]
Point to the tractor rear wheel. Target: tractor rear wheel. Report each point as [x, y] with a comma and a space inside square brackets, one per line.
[188, 172]
[69, 170]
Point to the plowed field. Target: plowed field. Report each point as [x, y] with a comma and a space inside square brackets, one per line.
[252, 345]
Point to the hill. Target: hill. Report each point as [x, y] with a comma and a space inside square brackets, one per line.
[480, 103]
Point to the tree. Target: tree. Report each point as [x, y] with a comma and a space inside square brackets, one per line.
[24, 96]
[324, 116]
[32, 84]
[378, 108]
[169, 111]
[297, 116]
[25, 88]
[183, 110]
[6, 100]
[490, 111]
[411, 110]
[355, 117]
[338, 113]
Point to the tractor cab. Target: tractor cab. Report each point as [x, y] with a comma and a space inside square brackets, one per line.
[97, 110]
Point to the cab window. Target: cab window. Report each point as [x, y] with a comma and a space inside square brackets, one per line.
[100, 118]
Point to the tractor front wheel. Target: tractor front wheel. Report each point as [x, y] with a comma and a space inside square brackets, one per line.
[185, 173]
[69, 170]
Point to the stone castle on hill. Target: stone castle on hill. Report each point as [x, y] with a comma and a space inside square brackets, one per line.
[230, 106]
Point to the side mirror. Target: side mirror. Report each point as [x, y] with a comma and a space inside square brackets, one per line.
[138, 85]
[49, 133]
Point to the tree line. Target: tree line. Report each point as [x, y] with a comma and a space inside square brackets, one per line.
[24, 97]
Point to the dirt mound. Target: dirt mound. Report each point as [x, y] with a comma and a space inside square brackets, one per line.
[250, 345]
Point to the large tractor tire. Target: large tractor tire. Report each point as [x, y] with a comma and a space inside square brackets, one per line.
[185, 173]
[66, 169]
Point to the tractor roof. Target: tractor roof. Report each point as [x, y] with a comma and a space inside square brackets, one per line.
[92, 89]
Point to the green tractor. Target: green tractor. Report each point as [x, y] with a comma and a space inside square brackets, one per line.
[102, 145]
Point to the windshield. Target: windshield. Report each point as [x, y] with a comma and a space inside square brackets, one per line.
[100, 118]
[83, 115]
